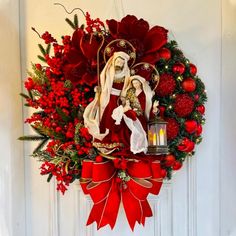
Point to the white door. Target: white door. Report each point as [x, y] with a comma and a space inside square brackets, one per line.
[189, 205]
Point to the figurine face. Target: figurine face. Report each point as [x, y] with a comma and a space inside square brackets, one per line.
[119, 63]
[136, 84]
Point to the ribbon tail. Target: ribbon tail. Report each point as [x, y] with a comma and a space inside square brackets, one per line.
[105, 212]
[147, 211]
[111, 207]
[133, 208]
[156, 187]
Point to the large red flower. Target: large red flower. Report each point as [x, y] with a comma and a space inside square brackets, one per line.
[145, 40]
[80, 64]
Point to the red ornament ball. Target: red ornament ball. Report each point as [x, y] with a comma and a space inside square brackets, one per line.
[172, 128]
[169, 160]
[201, 109]
[178, 68]
[199, 130]
[183, 105]
[189, 84]
[164, 53]
[190, 126]
[166, 85]
[177, 165]
[192, 69]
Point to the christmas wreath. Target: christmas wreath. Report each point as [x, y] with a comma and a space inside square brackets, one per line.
[66, 85]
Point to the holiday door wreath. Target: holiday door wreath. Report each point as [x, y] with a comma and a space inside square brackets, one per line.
[119, 107]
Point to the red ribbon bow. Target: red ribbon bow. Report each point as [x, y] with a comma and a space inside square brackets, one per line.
[108, 183]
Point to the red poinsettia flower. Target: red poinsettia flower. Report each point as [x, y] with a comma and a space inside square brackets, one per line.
[145, 40]
[80, 61]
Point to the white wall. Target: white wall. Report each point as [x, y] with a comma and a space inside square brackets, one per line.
[12, 218]
[228, 119]
[206, 32]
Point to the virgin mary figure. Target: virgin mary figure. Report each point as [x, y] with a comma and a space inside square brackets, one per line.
[138, 95]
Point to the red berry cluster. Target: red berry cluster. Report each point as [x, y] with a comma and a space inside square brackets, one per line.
[48, 38]
[93, 25]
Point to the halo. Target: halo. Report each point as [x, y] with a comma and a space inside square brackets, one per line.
[119, 45]
[145, 66]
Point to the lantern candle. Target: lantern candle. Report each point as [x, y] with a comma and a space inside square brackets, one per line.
[154, 139]
[161, 135]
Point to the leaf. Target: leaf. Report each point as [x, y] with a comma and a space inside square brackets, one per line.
[62, 114]
[24, 95]
[38, 130]
[30, 94]
[49, 177]
[70, 23]
[42, 58]
[48, 49]
[43, 51]
[41, 145]
[31, 138]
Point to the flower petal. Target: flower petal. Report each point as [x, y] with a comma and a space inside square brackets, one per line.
[113, 27]
[139, 29]
[89, 79]
[89, 45]
[155, 39]
[77, 35]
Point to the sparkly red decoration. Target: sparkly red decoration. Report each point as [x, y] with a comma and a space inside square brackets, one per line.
[183, 105]
[192, 69]
[190, 126]
[166, 85]
[189, 84]
[164, 54]
[178, 68]
[172, 128]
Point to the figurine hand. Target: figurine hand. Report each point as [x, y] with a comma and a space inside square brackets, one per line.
[155, 104]
[155, 107]
[97, 89]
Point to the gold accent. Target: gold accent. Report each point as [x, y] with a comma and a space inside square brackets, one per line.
[107, 145]
[123, 43]
[113, 158]
[148, 66]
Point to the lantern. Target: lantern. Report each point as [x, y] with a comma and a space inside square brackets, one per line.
[157, 139]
